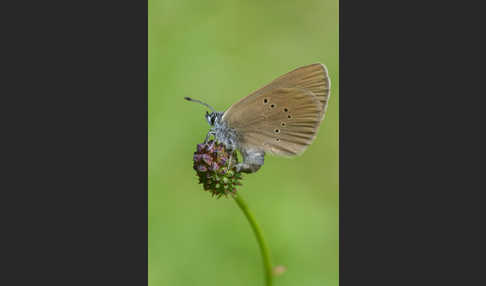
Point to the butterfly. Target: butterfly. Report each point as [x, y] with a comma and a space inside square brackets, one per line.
[281, 118]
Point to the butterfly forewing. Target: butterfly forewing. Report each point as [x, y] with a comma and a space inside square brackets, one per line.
[313, 78]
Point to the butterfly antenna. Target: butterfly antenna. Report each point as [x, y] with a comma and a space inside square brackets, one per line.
[198, 101]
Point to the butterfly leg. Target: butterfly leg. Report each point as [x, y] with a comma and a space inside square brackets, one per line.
[252, 161]
[208, 135]
[230, 162]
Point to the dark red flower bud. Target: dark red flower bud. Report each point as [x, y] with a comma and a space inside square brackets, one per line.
[214, 166]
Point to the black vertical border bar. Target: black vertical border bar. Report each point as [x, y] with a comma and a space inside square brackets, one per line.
[125, 208]
[74, 97]
[411, 131]
[371, 121]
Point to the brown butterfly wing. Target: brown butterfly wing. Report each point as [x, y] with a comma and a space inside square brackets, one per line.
[313, 78]
[299, 100]
[282, 120]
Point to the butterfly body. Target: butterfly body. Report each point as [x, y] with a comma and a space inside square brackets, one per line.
[281, 118]
[253, 158]
[222, 132]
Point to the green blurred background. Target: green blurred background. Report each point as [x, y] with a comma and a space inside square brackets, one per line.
[218, 52]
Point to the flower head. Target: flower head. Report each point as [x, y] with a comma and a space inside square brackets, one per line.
[214, 166]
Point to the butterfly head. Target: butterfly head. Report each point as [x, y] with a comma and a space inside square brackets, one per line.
[214, 118]
[211, 118]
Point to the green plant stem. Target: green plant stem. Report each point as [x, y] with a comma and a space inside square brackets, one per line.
[267, 265]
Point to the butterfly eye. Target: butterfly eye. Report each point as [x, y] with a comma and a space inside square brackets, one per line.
[272, 106]
[289, 116]
[265, 100]
[277, 130]
[278, 139]
[286, 110]
[283, 124]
